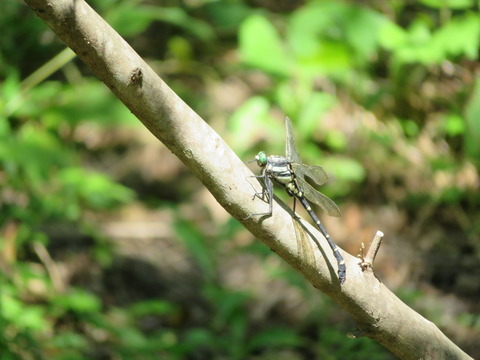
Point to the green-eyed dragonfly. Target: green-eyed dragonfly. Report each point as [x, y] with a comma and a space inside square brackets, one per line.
[290, 172]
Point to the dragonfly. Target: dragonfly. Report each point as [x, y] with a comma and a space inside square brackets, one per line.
[290, 172]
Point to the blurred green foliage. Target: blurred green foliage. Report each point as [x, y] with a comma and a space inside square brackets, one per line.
[400, 79]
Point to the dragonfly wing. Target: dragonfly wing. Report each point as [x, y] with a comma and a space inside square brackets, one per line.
[299, 170]
[305, 250]
[291, 149]
[325, 203]
[316, 173]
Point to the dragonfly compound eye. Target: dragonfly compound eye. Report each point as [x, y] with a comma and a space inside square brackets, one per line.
[261, 158]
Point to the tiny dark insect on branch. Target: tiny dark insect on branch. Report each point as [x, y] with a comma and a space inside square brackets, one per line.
[136, 77]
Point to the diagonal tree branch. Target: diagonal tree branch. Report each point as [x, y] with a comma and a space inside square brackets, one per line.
[378, 312]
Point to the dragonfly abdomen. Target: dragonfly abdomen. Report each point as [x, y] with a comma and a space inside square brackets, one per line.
[336, 252]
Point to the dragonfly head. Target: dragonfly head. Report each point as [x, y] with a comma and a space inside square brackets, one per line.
[261, 159]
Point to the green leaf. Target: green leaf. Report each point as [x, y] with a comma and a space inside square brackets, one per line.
[70, 341]
[261, 46]
[244, 123]
[316, 35]
[311, 114]
[410, 127]
[195, 338]
[346, 169]
[451, 195]
[278, 336]
[393, 37]
[132, 19]
[60, 105]
[460, 36]
[336, 140]
[194, 240]
[228, 305]
[180, 48]
[227, 15]
[9, 92]
[362, 30]
[152, 307]
[79, 301]
[454, 125]
[129, 18]
[452, 4]
[328, 37]
[31, 154]
[95, 190]
[306, 26]
[286, 96]
[23, 316]
[132, 339]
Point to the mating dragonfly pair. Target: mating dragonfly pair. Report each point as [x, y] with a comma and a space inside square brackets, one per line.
[290, 172]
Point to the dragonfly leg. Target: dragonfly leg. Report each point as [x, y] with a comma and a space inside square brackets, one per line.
[259, 194]
[268, 191]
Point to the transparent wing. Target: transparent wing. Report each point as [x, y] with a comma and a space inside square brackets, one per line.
[291, 149]
[316, 173]
[305, 250]
[326, 204]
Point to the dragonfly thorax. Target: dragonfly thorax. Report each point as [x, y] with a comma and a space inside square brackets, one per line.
[278, 167]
